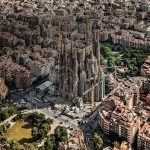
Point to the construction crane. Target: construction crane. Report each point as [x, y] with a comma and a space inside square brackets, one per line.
[91, 89]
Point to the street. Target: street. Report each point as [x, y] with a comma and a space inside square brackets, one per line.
[87, 123]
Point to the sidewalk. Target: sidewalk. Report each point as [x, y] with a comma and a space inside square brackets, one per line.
[8, 120]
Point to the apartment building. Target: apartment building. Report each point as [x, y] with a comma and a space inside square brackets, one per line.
[130, 40]
[144, 137]
[105, 112]
[121, 122]
[41, 67]
[116, 116]
[16, 75]
[125, 124]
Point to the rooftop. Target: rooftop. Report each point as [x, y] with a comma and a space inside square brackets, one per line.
[145, 131]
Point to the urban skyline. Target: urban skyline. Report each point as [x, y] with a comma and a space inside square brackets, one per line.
[74, 75]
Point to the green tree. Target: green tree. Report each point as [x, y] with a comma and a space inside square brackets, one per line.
[29, 147]
[3, 128]
[43, 131]
[116, 144]
[37, 118]
[50, 144]
[21, 61]
[19, 116]
[49, 121]
[97, 141]
[35, 133]
[80, 19]
[111, 64]
[41, 126]
[61, 134]
[7, 112]
[4, 115]
[106, 51]
[117, 61]
[14, 145]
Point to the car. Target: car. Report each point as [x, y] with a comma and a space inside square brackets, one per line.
[61, 123]
[77, 117]
[56, 116]
[20, 89]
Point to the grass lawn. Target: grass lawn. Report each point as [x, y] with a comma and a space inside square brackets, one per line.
[21, 132]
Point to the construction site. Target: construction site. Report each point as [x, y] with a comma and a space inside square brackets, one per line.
[78, 75]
